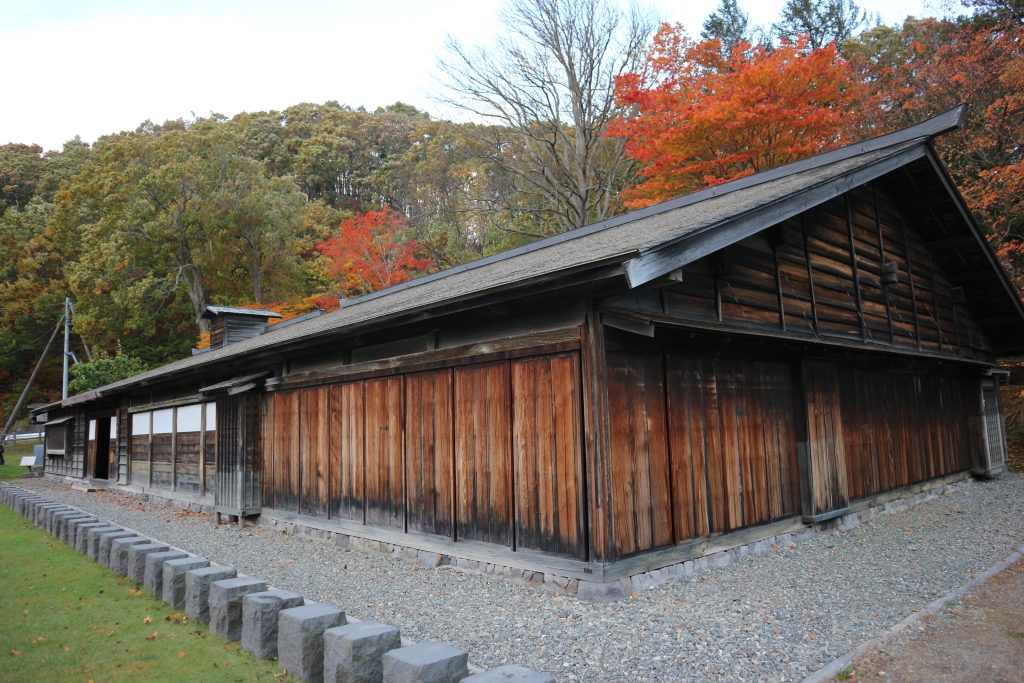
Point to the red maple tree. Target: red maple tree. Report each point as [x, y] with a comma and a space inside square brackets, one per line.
[697, 118]
[369, 252]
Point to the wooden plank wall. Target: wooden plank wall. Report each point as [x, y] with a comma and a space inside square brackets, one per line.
[547, 454]
[139, 447]
[901, 428]
[483, 452]
[385, 495]
[820, 275]
[76, 437]
[699, 445]
[430, 452]
[124, 436]
[826, 441]
[489, 452]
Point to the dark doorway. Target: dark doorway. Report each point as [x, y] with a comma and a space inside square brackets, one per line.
[99, 448]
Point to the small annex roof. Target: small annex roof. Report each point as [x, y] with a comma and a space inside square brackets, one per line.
[646, 243]
[211, 311]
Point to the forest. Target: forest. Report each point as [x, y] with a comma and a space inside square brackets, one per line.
[583, 110]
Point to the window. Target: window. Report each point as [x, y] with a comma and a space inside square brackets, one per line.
[59, 436]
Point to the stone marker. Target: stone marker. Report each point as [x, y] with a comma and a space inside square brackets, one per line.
[197, 590]
[118, 560]
[60, 520]
[43, 513]
[153, 574]
[103, 544]
[226, 604]
[92, 538]
[52, 512]
[300, 638]
[426, 662]
[71, 529]
[354, 653]
[173, 592]
[259, 620]
[517, 674]
[136, 565]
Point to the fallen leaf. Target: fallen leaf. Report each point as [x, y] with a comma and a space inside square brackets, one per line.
[151, 636]
[15, 653]
[181, 654]
[25, 613]
[148, 620]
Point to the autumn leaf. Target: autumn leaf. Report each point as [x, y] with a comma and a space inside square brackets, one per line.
[370, 252]
[15, 653]
[148, 620]
[698, 118]
[181, 654]
[151, 636]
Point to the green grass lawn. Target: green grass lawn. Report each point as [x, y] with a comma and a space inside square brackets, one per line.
[13, 454]
[66, 618]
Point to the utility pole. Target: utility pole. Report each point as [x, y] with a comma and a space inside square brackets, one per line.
[24, 392]
[67, 345]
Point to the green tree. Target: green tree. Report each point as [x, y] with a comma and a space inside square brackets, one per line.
[102, 370]
[822, 21]
[729, 24]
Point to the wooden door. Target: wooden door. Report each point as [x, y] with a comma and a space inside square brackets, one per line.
[547, 452]
[385, 497]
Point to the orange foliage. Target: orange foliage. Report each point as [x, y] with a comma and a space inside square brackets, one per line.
[369, 253]
[699, 119]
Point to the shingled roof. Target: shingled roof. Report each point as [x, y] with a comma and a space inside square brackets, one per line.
[647, 243]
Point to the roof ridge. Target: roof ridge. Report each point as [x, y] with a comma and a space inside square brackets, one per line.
[936, 125]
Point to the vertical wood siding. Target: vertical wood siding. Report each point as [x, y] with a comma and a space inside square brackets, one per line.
[640, 459]
[314, 451]
[547, 453]
[902, 428]
[483, 453]
[826, 442]
[489, 452]
[429, 452]
[698, 446]
[385, 498]
[348, 460]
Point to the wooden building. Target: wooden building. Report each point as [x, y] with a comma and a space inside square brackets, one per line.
[776, 351]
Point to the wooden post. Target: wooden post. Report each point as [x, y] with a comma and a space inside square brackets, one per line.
[822, 456]
[810, 273]
[202, 449]
[150, 483]
[856, 270]
[174, 448]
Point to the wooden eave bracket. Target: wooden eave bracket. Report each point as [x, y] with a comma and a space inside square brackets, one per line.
[633, 325]
[237, 385]
[669, 256]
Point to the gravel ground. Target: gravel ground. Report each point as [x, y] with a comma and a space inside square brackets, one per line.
[775, 616]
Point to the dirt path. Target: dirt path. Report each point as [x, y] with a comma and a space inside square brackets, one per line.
[978, 639]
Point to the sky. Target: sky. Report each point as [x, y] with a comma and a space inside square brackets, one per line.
[92, 67]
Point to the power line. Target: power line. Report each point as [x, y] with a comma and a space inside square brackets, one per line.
[23, 348]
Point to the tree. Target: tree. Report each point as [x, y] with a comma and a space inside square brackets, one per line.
[368, 253]
[102, 370]
[729, 24]
[258, 221]
[21, 170]
[929, 65]
[698, 119]
[822, 21]
[550, 81]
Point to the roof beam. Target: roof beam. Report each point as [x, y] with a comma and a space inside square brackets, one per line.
[668, 257]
